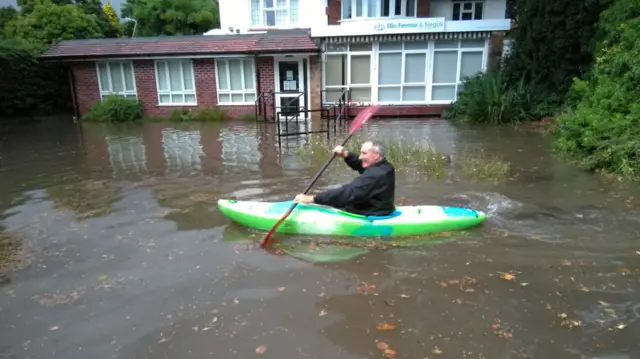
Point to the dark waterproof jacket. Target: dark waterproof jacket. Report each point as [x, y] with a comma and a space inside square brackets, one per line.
[371, 194]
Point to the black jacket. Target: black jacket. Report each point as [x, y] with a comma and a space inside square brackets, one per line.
[371, 194]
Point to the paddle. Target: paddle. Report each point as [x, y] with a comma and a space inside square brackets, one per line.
[357, 123]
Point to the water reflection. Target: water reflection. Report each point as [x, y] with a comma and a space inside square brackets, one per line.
[118, 225]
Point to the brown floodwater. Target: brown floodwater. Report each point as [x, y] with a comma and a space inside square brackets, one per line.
[112, 247]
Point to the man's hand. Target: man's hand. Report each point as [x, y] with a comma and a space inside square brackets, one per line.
[303, 198]
[341, 151]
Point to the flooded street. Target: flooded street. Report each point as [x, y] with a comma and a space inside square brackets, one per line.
[113, 247]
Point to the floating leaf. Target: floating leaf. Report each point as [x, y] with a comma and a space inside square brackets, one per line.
[436, 350]
[55, 327]
[524, 284]
[323, 313]
[261, 349]
[281, 289]
[507, 276]
[404, 296]
[389, 353]
[382, 345]
[385, 326]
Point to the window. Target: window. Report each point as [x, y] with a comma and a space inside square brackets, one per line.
[348, 66]
[467, 10]
[236, 81]
[175, 82]
[116, 78]
[354, 9]
[274, 12]
[453, 61]
[402, 70]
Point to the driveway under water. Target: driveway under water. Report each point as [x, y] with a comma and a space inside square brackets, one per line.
[114, 248]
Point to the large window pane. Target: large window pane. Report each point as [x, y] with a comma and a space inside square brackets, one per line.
[187, 72]
[415, 67]
[443, 93]
[389, 94]
[445, 65]
[222, 75]
[247, 67]
[334, 94]
[361, 94]
[175, 76]
[128, 76]
[235, 74]
[360, 69]
[414, 93]
[103, 73]
[390, 68]
[336, 70]
[470, 64]
[116, 77]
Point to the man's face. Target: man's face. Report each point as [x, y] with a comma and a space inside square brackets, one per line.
[368, 156]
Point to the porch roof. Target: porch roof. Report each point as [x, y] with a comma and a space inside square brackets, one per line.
[272, 41]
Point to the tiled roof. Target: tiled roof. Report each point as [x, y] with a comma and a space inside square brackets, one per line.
[297, 40]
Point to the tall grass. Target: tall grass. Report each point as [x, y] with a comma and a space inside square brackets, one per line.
[486, 97]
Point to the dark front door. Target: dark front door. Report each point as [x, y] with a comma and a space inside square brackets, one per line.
[289, 87]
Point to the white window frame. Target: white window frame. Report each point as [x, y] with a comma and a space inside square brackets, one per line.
[460, 50]
[377, 13]
[262, 10]
[473, 3]
[227, 75]
[349, 54]
[124, 93]
[430, 53]
[404, 52]
[171, 93]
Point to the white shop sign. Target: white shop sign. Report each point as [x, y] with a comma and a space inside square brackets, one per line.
[432, 24]
[382, 27]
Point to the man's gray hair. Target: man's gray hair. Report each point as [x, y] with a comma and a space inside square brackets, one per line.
[376, 147]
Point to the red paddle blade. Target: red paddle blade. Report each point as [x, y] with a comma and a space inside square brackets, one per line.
[362, 117]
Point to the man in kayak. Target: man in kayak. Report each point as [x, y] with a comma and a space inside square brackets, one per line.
[370, 194]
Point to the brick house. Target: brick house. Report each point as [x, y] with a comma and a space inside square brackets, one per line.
[182, 71]
[408, 55]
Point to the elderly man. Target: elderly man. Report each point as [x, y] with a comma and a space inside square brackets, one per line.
[371, 194]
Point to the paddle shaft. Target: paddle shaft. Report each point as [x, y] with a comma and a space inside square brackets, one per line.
[313, 181]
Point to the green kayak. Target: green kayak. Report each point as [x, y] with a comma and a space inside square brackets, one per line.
[322, 220]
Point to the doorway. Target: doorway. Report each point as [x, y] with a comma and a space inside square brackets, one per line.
[290, 87]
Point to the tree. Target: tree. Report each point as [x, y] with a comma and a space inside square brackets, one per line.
[602, 133]
[112, 17]
[553, 42]
[7, 13]
[48, 23]
[172, 17]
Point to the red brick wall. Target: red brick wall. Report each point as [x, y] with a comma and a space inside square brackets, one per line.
[88, 90]
[334, 12]
[86, 81]
[423, 8]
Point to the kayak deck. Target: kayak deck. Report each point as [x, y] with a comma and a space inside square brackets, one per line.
[324, 220]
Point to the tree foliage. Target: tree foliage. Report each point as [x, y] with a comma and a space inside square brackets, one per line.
[48, 23]
[112, 17]
[553, 43]
[28, 86]
[7, 13]
[172, 17]
[603, 131]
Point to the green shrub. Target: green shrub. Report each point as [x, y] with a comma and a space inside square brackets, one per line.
[115, 109]
[180, 115]
[487, 98]
[211, 114]
[602, 133]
